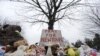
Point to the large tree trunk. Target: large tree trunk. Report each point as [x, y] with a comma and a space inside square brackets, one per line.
[51, 24]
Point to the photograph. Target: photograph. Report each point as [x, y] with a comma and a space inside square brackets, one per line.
[49, 27]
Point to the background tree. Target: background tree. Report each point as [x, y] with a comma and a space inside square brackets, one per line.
[53, 10]
[78, 43]
[96, 41]
[93, 22]
[93, 19]
[94, 16]
[89, 42]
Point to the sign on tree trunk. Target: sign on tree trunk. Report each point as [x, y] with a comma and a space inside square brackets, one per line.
[51, 37]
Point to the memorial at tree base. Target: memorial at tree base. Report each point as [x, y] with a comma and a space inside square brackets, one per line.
[51, 37]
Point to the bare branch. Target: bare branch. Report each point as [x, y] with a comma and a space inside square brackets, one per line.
[95, 14]
[59, 3]
[62, 16]
[54, 3]
[72, 3]
[41, 8]
[48, 5]
[37, 21]
[38, 14]
[94, 17]
[51, 8]
[28, 2]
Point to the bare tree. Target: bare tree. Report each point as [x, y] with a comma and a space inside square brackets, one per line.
[95, 16]
[92, 23]
[93, 20]
[53, 10]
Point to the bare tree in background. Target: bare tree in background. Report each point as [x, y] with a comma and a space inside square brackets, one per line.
[95, 16]
[53, 10]
[94, 19]
[92, 24]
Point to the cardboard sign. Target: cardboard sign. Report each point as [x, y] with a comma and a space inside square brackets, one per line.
[51, 36]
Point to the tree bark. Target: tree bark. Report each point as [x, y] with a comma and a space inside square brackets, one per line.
[51, 24]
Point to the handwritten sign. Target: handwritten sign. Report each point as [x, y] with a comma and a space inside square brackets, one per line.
[51, 39]
[51, 36]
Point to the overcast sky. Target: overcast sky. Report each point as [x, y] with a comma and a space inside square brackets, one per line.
[72, 30]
